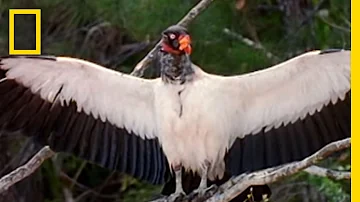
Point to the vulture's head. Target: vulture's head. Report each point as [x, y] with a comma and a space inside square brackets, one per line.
[176, 40]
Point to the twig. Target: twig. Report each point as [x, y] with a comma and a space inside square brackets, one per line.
[325, 172]
[77, 174]
[345, 29]
[97, 191]
[25, 170]
[91, 31]
[185, 21]
[347, 22]
[87, 190]
[251, 43]
[68, 195]
[67, 178]
[101, 187]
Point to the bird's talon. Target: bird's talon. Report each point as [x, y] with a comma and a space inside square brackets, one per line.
[203, 191]
[212, 187]
[177, 196]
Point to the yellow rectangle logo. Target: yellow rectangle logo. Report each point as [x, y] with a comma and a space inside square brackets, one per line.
[12, 13]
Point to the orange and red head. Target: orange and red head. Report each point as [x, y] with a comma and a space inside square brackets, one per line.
[176, 40]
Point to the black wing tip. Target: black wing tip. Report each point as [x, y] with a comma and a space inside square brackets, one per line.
[44, 57]
[331, 50]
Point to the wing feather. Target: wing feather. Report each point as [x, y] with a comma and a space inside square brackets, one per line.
[96, 89]
[81, 108]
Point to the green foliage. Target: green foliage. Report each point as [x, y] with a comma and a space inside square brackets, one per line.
[136, 191]
[54, 186]
[332, 189]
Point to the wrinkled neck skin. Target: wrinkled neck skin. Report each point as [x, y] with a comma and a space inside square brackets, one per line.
[176, 68]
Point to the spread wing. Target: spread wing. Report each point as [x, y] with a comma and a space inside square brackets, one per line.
[286, 112]
[78, 107]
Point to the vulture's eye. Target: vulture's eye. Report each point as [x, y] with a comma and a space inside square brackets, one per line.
[172, 36]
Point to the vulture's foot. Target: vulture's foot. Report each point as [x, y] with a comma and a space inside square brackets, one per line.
[204, 192]
[177, 196]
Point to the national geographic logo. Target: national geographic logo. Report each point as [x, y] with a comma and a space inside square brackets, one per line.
[25, 40]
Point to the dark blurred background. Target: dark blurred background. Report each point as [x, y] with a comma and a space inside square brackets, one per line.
[118, 33]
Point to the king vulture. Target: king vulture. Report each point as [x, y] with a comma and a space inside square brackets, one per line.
[186, 119]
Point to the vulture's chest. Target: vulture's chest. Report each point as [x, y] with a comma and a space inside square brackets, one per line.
[178, 108]
[186, 127]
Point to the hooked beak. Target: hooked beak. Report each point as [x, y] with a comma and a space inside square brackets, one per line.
[185, 44]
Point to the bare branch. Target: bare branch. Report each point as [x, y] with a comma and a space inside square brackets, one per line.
[251, 43]
[25, 170]
[345, 29]
[92, 30]
[68, 195]
[77, 174]
[65, 177]
[185, 21]
[325, 172]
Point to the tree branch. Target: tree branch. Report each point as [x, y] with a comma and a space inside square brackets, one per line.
[185, 21]
[25, 170]
[345, 29]
[251, 44]
[325, 172]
